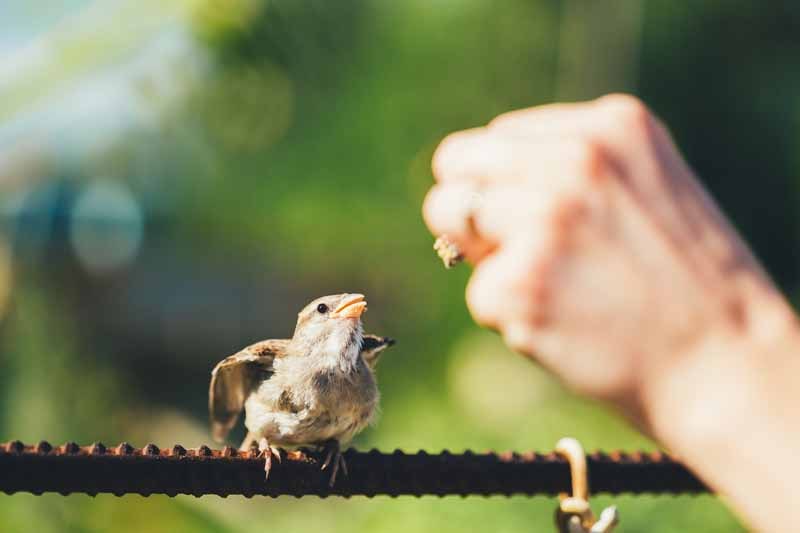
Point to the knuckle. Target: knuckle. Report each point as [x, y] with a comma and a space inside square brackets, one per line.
[450, 151]
[505, 119]
[480, 297]
[430, 206]
[625, 110]
[442, 155]
[448, 208]
[520, 336]
[589, 159]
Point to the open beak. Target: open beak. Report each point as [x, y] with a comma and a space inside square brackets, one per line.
[351, 307]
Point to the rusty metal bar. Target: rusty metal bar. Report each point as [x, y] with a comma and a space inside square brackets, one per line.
[122, 470]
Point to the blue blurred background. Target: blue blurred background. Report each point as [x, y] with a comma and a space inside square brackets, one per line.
[178, 178]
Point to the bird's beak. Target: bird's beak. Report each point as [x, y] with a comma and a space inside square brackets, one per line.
[352, 306]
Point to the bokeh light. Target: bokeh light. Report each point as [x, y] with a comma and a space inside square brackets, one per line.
[106, 227]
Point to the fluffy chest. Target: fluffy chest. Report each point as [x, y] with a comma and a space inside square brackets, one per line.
[305, 405]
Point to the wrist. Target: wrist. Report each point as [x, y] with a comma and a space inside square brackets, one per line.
[729, 409]
[732, 370]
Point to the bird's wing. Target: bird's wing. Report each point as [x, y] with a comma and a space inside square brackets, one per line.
[372, 348]
[234, 378]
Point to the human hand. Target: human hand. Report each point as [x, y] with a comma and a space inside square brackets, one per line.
[596, 251]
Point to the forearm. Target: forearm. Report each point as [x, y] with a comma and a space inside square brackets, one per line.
[730, 409]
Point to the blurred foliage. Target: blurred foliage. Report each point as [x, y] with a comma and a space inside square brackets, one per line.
[298, 161]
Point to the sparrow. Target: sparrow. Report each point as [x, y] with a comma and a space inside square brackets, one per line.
[317, 388]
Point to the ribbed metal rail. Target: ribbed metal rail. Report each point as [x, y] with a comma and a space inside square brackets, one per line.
[124, 469]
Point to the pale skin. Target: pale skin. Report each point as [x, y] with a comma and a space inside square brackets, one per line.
[598, 253]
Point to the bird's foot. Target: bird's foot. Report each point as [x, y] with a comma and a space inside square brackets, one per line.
[267, 452]
[334, 459]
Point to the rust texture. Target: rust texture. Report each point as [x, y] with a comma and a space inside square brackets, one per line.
[123, 469]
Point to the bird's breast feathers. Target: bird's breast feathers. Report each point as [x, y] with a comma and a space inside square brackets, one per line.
[313, 405]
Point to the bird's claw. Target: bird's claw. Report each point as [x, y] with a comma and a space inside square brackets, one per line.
[267, 452]
[335, 460]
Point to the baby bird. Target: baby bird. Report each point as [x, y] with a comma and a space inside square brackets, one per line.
[317, 388]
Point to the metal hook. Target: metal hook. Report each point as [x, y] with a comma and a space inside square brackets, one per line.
[574, 515]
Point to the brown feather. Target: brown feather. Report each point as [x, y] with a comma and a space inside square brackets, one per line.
[235, 378]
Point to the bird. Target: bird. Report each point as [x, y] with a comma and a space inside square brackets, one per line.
[316, 389]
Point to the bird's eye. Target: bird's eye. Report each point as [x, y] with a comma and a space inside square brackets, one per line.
[322, 308]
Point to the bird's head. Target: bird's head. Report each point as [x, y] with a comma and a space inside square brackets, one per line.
[330, 326]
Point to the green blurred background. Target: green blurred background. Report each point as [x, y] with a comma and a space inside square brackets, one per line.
[178, 178]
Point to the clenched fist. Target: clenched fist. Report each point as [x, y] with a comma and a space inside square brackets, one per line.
[596, 251]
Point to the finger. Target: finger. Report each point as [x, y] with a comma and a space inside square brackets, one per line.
[545, 120]
[448, 210]
[481, 159]
[477, 221]
[510, 285]
[467, 155]
[506, 210]
[600, 118]
[553, 174]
